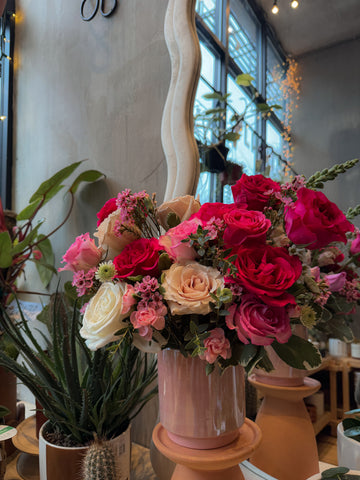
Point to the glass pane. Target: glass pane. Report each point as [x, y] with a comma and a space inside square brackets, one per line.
[245, 151]
[275, 72]
[243, 34]
[274, 139]
[207, 11]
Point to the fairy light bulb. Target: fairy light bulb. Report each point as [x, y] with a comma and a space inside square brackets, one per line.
[275, 8]
[294, 3]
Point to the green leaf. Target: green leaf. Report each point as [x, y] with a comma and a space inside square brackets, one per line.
[5, 250]
[4, 411]
[333, 472]
[244, 79]
[350, 423]
[53, 182]
[262, 107]
[210, 367]
[232, 136]
[215, 110]
[45, 266]
[28, 240]
[352, 412]
[339, 329]
[216, 96]
[172, 220]
[352, 432]
[87, 176]
[298, 353]
[276, 107]
[248, 353]
[29, 211]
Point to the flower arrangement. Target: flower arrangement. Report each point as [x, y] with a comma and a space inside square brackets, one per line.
[221, 281]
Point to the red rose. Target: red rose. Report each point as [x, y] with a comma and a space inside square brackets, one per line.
[242, 225]
[210, 210]
[109, 207]
[253, 192]
[141, 257]
[260, 323]
[314, 221]
[268, 272]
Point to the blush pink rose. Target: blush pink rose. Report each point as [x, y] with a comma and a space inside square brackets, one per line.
[336, 281]
[109, 207]
[253, 192]
[183, 207]
[148, 317]
[208, 211]
[141, 257]
[82, 255]
[173, 243]
[257, 322]
[217, 345]
[128, 300]
[314, 221]
[242, 225]
[268, 272]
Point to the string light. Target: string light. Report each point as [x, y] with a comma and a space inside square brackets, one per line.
[275, 8]
[3, 117]
[294, 3]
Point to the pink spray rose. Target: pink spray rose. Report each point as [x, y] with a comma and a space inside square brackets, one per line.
[336, 281]
[83, 254]
[355, 245]
[314, 221]
[216, 345]
[268, 272]
[150, 316]
[242, 225]
[260, 323]
[254, 192]
[173, 244]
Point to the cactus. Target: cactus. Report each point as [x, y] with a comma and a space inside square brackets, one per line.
[99, 462]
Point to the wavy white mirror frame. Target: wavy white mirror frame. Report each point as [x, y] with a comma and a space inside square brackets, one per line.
[177, 131]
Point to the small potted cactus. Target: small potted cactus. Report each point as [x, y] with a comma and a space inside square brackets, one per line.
[89, 398]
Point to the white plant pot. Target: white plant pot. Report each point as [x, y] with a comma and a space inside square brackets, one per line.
[348, 450]
[337, 348]
[59, 463]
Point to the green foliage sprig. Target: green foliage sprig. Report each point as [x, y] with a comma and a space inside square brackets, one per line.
[319, 178]
[353, 212]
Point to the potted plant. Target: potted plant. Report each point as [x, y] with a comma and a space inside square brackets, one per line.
[88, 397]
[348, 438]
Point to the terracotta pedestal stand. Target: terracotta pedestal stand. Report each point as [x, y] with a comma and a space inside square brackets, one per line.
[288, 449]
[216, 464]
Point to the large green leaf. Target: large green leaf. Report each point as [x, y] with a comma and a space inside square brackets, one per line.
[45, 266]
[298, 353]
[53, 182]
[5, 250]
[88, 176]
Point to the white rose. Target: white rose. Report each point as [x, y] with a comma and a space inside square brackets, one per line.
[188, 287]
[103, 316]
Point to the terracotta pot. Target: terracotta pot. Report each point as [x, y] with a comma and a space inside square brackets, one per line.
[199, 411]
[57, 463]
[283, 374]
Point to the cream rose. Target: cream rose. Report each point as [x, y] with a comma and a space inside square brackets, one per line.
[183, 207]
[107, 238]
[104, 315]
[188, 287]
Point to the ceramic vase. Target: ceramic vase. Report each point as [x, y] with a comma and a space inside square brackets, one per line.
[348, 450]
[59, 463]
[199, 411]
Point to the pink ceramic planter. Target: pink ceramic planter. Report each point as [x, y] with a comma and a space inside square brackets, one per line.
[199, 411]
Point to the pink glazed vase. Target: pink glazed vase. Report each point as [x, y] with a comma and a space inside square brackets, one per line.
[199, 411]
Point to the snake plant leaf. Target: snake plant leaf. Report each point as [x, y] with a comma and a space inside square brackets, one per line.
[5, 250]
[289, 353]
[87, 176]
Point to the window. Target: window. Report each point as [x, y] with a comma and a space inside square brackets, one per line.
[6, 74]
[234, 40]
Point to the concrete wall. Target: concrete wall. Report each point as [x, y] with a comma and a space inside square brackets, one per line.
[327, 123]
[89, 90]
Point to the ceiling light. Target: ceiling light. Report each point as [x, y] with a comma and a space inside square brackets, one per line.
[294, 3]
[275, 8]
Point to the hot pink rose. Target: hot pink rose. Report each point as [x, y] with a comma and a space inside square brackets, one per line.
[260, 323]
[141, 257]
[210, 210]
[355, 245]
[268, 272]
[254, 192]
[314, 221]
[336, 281]
[173, 243]
[242, 225]
[82, 255]
[216, 345]
[109, 207]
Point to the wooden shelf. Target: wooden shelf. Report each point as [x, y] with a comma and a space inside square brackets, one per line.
[322, 422]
